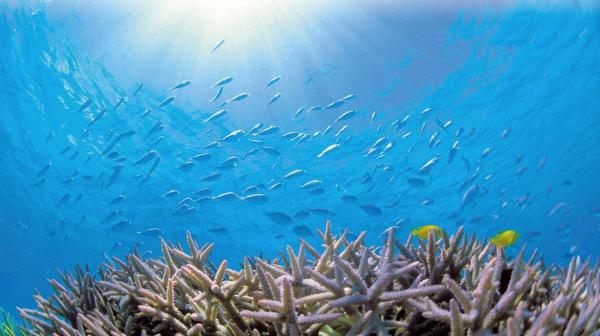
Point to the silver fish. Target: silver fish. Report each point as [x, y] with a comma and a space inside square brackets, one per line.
[274, 98]
[212, 177]
[151, 231]
[486, 152]
[426, 168]
[138, 89]
[118, 199]
[345, 127]
[433, 138]
[373, 115]
[216, 115]
[157, 127]
[269, 130]
[254, 128]
[85, 105]
[171, 193]
[310, 184]
[273, 81]
[335, 104]
[187, 166]
[453, 151]
[346, 115]
[217, 46]
[275, 186]
[146, 157]
[166, 102]
[66, 197]
[294, 173]
[298, 112]
[181, 85]
[255, 198]
[223, 81]
[327, 150]
[348, 97]
[44, 169]
[239, 97]
[233, 135]
[226, 196]
[470, 195]
[201, 157]
[217, 95]
[119, 102]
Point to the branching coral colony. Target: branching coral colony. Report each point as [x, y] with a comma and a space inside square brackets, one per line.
[447, 286]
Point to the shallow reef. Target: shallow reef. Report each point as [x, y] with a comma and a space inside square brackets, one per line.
[443, 285]
[8, 327]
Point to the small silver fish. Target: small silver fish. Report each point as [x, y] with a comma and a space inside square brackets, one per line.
[327, 150]
[151, 231]
[223, 81]
[274, 99]
[346, 115]
[146, 157]
[217, 95]
[87, 103]
[345, 127]
[217, 46]
[166, 102]
[44, 169]
[469, 195]
[118, 199]
[298, 112]
[426, 168]
[293, 173]
[226, 196]
[425, 112]
[255, 198]
[269, 130]
[138, 89]
[234, 135]
[171, 193]
[216, 115]
[334, 105]
[239, 97]
[273, 81]
[486, 152]
[310, 184]
[453, 151]
[373, 115]
[181, 85]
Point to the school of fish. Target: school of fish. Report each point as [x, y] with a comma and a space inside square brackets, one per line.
[361, 163]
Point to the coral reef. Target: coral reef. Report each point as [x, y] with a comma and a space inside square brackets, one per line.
[453, 285]
[8, 327]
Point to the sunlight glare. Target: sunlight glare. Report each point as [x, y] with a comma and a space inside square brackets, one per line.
[240, 22]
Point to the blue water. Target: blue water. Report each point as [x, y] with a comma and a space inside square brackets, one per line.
[529, 71]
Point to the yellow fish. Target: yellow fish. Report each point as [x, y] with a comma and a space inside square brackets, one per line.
[505, 238]
[423, 231]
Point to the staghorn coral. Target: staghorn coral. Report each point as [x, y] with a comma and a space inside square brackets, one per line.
[8, 327]
[452, 285]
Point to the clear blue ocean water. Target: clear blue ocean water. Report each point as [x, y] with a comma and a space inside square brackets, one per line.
[91, 164]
